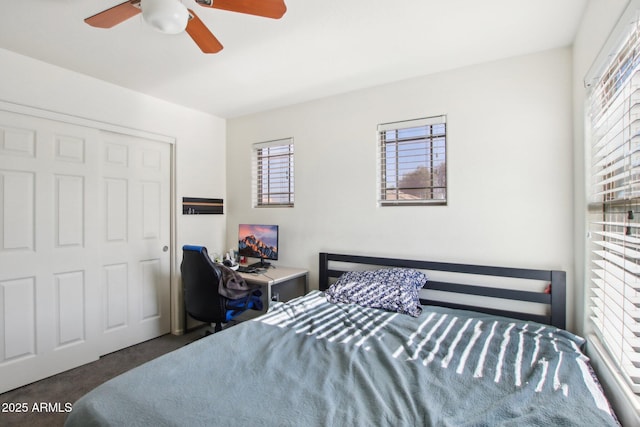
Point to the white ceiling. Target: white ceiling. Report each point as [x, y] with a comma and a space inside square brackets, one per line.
[319, 48]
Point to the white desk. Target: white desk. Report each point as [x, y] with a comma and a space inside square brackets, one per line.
[280, 283]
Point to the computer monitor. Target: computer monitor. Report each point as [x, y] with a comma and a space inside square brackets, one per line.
[258, 241]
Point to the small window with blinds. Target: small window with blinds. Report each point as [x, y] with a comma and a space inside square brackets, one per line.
[413, 162]
[273, 173]
[614, 207]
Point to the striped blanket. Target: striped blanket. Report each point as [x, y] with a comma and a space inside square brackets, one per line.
[313, 363]
[506, 370]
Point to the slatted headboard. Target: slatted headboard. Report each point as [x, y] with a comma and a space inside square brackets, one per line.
[333, 265]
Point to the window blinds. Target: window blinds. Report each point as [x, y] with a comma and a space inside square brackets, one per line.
[614, 207]
[273, 173]
[412, 162]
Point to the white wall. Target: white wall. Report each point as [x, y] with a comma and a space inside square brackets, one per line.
[509, 169]
[199, 138]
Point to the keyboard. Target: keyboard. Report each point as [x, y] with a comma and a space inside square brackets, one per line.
[244, 269]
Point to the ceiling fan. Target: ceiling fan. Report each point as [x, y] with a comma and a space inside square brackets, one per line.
[172, 17]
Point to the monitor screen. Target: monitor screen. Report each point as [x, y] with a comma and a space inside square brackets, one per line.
[258, 241]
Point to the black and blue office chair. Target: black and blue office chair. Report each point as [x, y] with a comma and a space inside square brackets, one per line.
[200, 281]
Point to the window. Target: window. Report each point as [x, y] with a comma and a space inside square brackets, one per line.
[413, 162]
[614, 207]
[273, 173]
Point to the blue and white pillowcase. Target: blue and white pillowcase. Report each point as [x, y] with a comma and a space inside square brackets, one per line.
[394, 289]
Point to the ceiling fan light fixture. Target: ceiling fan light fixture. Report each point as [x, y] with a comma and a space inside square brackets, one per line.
[166, 16]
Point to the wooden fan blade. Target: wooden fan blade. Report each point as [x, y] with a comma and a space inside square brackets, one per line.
[115, 15]
[267, 8]
[200, 34]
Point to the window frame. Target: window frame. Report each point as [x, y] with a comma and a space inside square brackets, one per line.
[269, 159]
[612, 258]
[390, 191]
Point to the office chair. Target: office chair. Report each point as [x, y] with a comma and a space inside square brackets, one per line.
[202, 301]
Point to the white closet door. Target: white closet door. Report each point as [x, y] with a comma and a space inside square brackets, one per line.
[48, 266]
[134, 240]
[61, 204]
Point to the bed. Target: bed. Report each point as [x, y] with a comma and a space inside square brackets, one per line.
[318, 361]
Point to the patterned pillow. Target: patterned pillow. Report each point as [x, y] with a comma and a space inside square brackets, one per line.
[395, 289]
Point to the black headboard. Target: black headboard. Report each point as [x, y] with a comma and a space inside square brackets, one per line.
[554, 297]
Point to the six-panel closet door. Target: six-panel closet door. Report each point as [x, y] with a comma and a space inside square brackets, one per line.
[84, 219]
[134, 241]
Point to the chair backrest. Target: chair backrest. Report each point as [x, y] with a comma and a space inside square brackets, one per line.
[200, 280]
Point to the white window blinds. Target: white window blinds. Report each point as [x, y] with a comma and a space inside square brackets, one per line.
[273, 173]
[614, 206]
[412, 162]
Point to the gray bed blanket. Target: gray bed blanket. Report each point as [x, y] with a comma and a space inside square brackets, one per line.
[312, 363]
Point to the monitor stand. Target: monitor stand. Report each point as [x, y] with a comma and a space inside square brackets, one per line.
[260, 264]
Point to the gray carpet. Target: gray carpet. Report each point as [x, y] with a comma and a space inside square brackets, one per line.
[69, 386]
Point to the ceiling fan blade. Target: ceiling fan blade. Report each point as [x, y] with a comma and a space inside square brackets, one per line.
[267, 8]
[200, 34]
[115, 15]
